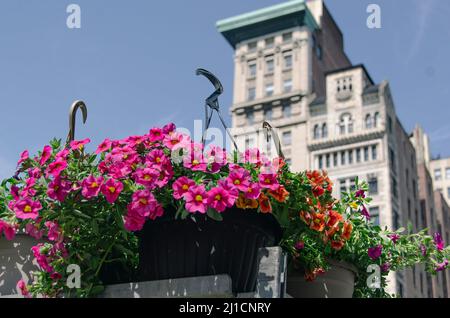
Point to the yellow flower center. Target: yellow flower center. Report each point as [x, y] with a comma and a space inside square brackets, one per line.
[147, 177]
[267, 180]
[218, 197]
[94, 185]
[237, 182]
[185, 187]
[125, 156]
[198, 198]
[143, 201]
[112, 189]
[158, 159]
[27, 209]
[195, 162]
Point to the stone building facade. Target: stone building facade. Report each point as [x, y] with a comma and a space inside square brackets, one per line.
[291, 70]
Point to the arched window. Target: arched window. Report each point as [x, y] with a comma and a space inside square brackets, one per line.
[369, 122]
[376, 120]
[324, 131]
[346, 124]
[316, 132]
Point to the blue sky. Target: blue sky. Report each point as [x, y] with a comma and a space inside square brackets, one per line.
[133, 63]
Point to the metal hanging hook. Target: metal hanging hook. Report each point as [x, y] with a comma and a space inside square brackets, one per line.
[72, 117]
[268, 131]
[212, 104]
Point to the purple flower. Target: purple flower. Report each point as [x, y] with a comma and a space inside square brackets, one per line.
[394, 237]
[299, 245]
[375, 252]
[360, 194]
[365, 212]
[385, 267]
[438, 241]
[442, 266]
[423, 249]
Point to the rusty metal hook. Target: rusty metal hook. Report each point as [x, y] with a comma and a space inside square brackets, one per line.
[268, 131]
[72, 118]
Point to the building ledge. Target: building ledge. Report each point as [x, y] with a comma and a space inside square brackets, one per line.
[345, 140]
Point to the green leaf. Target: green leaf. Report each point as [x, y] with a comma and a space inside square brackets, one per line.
[213, 214]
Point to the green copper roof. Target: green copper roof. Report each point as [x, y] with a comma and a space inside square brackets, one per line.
[267, 20]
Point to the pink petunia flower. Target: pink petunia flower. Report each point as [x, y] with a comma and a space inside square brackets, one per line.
[442, 266]
[181, 187]
[147, 177]
[90, 187]
[42, 259]
[176, 140]
[58, 189]
[375, 252]
[54, 231]
[239, 179]
[79, 144]
[56, 167]
[28, 190]
[438, 241]
[33, 231]
[34, 173]
[269, 181]
[23, 157]
[23, 288]
[46, 154]
[253, 191]
[394, 237]
[196, 199]
[156, 157]
[143, 203]
[232, 191]
[156, 134]
[252, 156]
[27, 209]
[134, 222]
[104, 146]
[169, 128]
[111, 189]
[63, 154]
[219, 199]
[8, 230]
[119, 170]
[364, 212]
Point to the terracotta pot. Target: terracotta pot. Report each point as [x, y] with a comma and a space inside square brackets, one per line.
[171, 248]
[337, 282]
[16, 262]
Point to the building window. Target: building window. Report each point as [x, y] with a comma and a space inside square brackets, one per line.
[288, 161]
[249, 143]
[358, 155]
[353, 184]
[392, 160]
[287, 138]
[344, 84]
[316, 132]
[368, 121]
[374, 152]
[366, 153]
[376, 120]
[252, 69]
[350, 157]
[287, 37]
[324, 131]
[269, 65]
[269, 89]
[268, 114]
[287, 110]
[343, 185]
[396, 220]
[447, 173]
[252, 46]
[448, 192]
[320, 162]
[328, 160]
[375, 215]
[373, 185]
[335, 159]
[394, 187]
[270, 42]
[319, 52]
[346, 124]
[343, 158]
[287, 86]
[287, 61]
[251, 94]
[437, 174]
[250, 118]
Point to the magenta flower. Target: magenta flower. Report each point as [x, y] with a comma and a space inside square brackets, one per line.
[442, 266]
[156, 134]
[156, 157]
[63, 154]
[360, 194]
[169, 128]
[119, 170]
[90, 187]
[375, 252]
[27, 209]
[165, 173]
[176, 140]
[299, 245]
[196, 199]
[33, 231]
[219, 199]
[423, 250]
[239, 179]
[394, 237]
[23, 288]
[134, 222]
[23, 156]
[58, 189]
[269, 181]
[386, 267]
[181, 187]
[143, 203]
[34, 173]
[104, 146]
[147, 177]
[46, 154]
[54, 232]
[42, 259]
[7, 229]
[111, 189]
[56, 167]
[79, 144]
[253, 191]
[364, 212]
[438, 241]
[252, 156]
[227, 186]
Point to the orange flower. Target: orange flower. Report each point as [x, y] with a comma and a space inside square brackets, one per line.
[264, 203]
[244, 203]
[347, 231]
[318, 222]
[306, 217]
[333, 218]
[312, 275]
[280, 195]
[337, 245]
[330, 232]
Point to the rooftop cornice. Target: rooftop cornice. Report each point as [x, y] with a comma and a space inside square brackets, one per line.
[345, 141]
